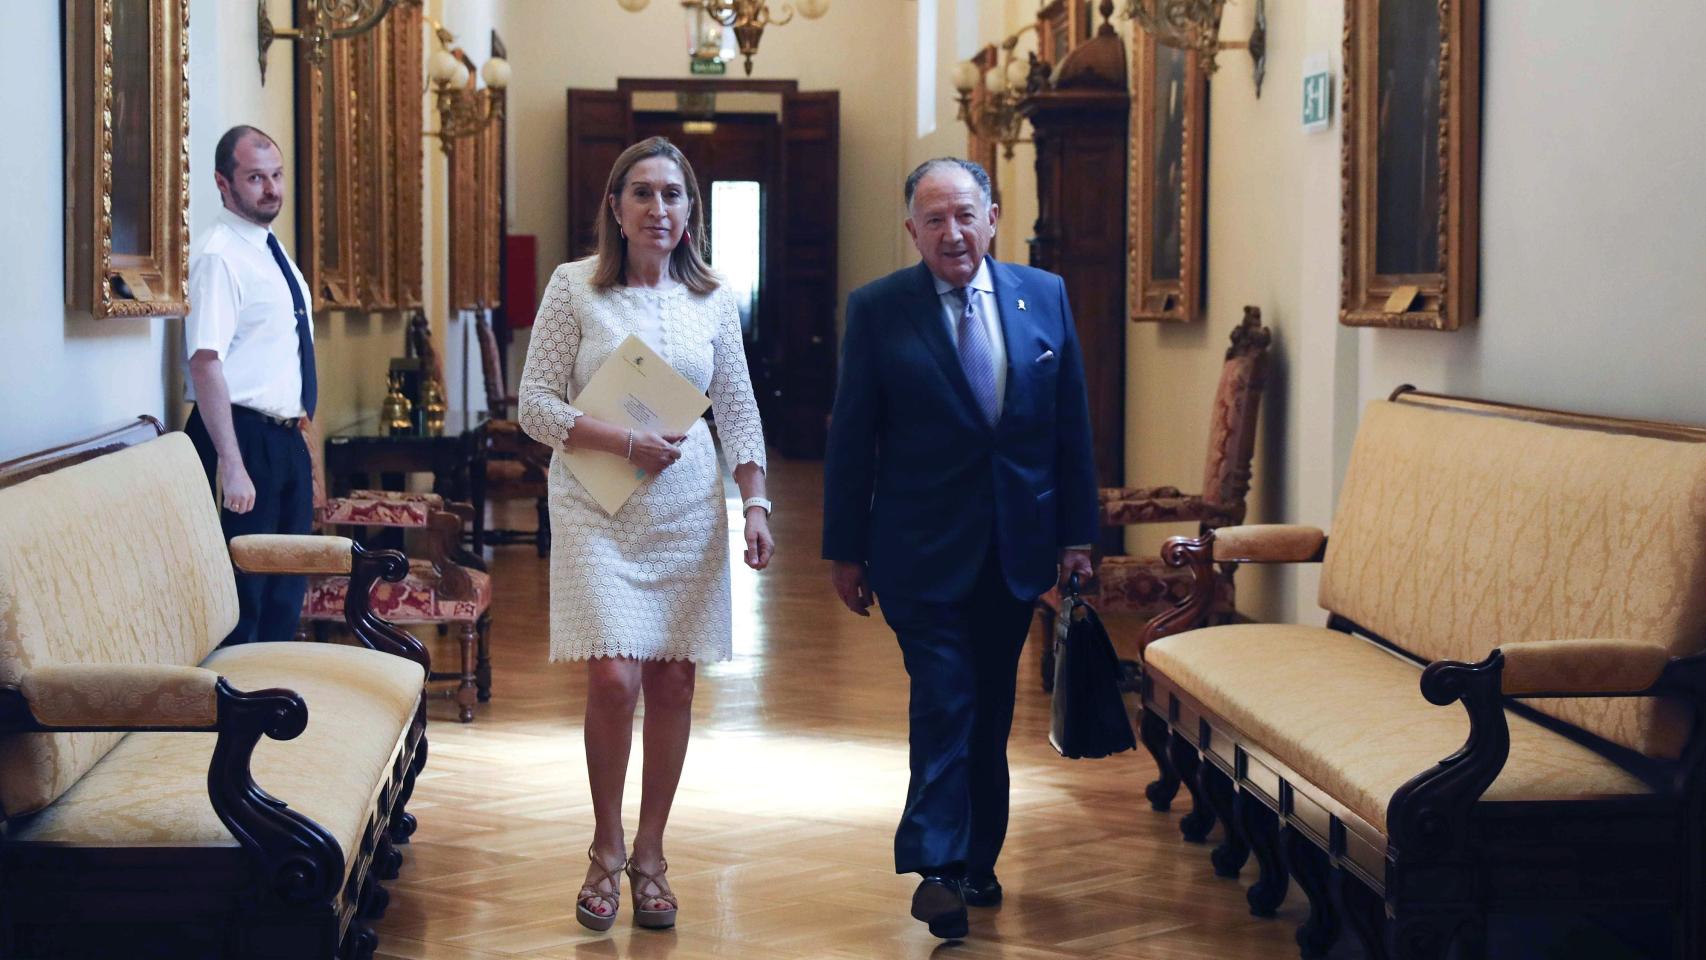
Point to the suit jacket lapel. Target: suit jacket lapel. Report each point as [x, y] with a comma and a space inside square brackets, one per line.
[1009, 290]
[926, 314]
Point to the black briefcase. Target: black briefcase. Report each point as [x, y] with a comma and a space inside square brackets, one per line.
[1089, 716]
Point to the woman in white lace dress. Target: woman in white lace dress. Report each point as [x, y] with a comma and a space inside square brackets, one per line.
[643, 596]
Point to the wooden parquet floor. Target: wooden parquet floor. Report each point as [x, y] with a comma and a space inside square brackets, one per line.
[780, 844]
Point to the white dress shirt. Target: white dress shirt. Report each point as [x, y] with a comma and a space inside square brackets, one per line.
[988, 312]
[240, 308]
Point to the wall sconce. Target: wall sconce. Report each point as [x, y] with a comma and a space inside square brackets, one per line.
[996, 117]
[328, 20]
[463, 109]
[747, 18]
[1195, 25]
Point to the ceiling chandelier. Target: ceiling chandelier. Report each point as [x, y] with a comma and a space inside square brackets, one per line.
[747, 18]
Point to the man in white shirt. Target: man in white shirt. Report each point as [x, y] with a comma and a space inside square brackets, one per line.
[249, 340]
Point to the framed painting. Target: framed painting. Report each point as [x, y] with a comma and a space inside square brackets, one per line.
[476, 180]
[127, 158]
[388, 67]
[1410, 217]
[1169, 178]
[1061, 26]
[328, 211]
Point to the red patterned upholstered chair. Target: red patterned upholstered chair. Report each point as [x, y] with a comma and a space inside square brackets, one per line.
[1144, 587]
[514, 464]
[437, 590]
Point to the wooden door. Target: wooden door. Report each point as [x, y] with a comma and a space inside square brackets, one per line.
[811, 171]
[601, 126]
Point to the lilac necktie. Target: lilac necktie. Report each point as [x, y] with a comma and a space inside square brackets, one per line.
[977, 356]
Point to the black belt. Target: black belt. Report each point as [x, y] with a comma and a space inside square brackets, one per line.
[252, 414]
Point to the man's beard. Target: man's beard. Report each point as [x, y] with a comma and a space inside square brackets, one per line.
[256, 214]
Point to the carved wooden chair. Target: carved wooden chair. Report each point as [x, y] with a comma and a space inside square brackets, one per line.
[1144, 586]
[437, 590]
[514, 465]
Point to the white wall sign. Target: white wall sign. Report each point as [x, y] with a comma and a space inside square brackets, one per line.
[1317, 93]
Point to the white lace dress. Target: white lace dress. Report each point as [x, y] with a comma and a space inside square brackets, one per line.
[651, 582]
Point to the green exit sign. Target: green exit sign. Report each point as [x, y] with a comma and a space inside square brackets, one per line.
[1317, 93]
[715, 68]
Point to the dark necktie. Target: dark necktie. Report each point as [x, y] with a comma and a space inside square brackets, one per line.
[304, 333]
[977, 356]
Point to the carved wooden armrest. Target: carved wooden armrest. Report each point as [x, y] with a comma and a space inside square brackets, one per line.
[109, 696]
[301, 861]
[292, 553]
[1545, 668]
[1269, 543]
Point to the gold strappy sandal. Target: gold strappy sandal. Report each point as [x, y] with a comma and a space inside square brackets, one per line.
[590, 893]
[652, 919]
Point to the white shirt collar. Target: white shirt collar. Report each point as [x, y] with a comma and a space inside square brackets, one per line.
[983, 282]
[252, 232]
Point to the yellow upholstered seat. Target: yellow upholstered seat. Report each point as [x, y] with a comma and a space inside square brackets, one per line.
[152, 787]
[1349, 716]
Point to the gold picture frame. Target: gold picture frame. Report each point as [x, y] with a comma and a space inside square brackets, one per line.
[1061, 26]
[1410, 163]
[329, 211]
[127, 163]
[476, 230]
[388, 64]
[1169, 176]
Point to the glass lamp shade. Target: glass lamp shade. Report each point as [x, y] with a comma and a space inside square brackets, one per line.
[812, 9]
[1018, 73]
[444, 67]
[633, 6]
[965, 76]
[995, 82]
[496, 73]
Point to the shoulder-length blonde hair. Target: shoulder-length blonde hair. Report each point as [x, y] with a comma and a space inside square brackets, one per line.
[687, 261]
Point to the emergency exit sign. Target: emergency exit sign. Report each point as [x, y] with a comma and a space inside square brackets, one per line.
[1317, 93]
[715, 68]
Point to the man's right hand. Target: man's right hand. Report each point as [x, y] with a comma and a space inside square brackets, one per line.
[236, 488]
[852, 588]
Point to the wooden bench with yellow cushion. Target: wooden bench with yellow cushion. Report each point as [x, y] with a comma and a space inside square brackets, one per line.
[1546, 571]
[164, 798]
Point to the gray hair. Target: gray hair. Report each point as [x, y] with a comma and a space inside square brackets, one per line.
[978, 175]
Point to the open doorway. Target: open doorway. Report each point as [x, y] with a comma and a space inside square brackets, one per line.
[767, 160]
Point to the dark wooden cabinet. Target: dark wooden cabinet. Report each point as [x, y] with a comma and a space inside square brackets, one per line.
[1080, 125]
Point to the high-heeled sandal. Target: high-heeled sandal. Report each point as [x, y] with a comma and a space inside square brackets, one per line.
[590, 891]
[652, 919]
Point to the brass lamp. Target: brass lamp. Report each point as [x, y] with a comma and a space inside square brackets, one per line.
[327, 20]
[997, 117]
[1195, 25]
[747, 18]
[464, 109]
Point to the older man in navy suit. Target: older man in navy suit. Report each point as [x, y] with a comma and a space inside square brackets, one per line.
[959, 486]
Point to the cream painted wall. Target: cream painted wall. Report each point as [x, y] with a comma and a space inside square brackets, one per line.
[1593, 223]
[76, 376]
[62, 376]
[860, 47]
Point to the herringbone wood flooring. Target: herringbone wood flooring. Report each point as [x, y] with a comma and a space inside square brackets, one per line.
[780, 844]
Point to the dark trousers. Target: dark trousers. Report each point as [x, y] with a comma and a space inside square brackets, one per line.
[963, 658]
[269, 606]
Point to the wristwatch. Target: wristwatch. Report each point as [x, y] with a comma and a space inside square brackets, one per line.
[759, 502]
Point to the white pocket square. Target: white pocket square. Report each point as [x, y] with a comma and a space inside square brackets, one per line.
[1046, 356]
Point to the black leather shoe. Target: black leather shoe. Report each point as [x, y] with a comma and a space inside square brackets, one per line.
[939, 903]
[981, 891]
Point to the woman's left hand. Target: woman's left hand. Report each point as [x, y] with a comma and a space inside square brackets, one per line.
[759, 544]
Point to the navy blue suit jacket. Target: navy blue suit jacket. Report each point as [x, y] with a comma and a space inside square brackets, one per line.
[917, 484]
